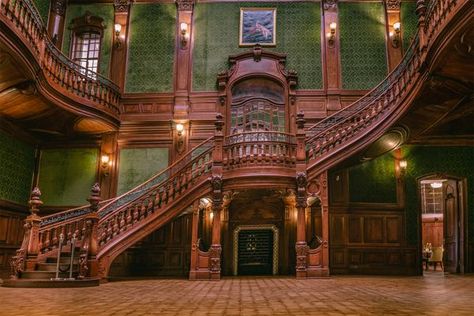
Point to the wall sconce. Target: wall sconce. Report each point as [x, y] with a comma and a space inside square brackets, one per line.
[395, 35]
[403, 166]
[180, 137]
[436, 185]
[332, 34]
[118, 40]
[183, 28]
[105, 163]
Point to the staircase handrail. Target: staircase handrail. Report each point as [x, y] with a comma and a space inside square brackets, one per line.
[156, 180]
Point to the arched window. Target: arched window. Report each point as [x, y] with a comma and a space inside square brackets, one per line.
[87, 32]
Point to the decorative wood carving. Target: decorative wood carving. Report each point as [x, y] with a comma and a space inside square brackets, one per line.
[59, 7]
[330, 4]
[185, 5]
[393, 4]
[122, 5]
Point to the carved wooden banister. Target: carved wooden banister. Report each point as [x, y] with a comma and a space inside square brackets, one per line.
[353, 122]
[156, 194]
[258, 149]
[72, 80]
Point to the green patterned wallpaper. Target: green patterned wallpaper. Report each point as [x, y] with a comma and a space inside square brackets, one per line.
[216, 37]
[103, 10]
[151, 48]
[455, 161]
[138, 165]
[409, 22]
[43, 9]
[362, 40]
[374, 181]
[67, 175]
[17, 164]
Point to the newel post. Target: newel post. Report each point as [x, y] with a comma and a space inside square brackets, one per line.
[32, 223]
[88, 264]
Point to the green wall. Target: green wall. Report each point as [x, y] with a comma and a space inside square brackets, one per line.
[362, 40]
[17, 164]
[298, 34]
[43, 9]
[374, 181]
[103, 10]
[151, 48]
[137, 165]
[409, 22]
[66, 176]
[455, 161]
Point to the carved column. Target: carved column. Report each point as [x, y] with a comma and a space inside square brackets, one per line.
[301, 246]
[194, 242]
[33, 222]
[331, 55]
[56, 21]
[323, 269]
[394, 35]
[183, 58]
[289, 200]
[120, 45]
[216, 248]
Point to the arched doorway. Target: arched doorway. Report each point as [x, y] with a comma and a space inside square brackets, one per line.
[442, 218]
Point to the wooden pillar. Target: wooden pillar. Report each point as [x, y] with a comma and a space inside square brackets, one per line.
[194, 242]
[32, 224]
[217, 200]
[108, 171]
[56, 21]
[183, 58]
[331, 55]
[324, 197]
[88, 263]
[120, 43]
[394, 38]
[301, 196]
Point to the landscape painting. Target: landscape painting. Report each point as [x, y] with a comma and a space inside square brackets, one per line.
[257, 26]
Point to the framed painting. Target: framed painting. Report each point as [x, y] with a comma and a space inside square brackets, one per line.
[257, 26]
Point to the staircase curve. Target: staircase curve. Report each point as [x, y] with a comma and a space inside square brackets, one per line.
[102, 230]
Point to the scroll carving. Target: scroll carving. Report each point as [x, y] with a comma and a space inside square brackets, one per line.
[59, 7]
[393, 4]
[330, 5]
[185, 5]
[121, 5]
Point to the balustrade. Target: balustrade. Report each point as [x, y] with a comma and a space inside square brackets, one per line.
[259, 148]
[73, 80]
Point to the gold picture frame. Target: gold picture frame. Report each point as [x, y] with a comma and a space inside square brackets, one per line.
[257, 26]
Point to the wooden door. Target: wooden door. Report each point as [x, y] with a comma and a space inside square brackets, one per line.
[451, 226]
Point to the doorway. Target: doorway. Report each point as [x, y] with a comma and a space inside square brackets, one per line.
[442, 219]
[255, 255]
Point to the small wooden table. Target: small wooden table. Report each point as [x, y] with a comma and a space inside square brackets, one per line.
[426, 257]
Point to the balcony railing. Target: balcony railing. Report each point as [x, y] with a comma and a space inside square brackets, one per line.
[72, 80]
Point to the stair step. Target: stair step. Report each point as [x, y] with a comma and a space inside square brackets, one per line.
[62, 260]
[45, 275]
[50, 266]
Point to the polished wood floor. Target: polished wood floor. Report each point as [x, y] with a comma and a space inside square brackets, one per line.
[434, 294]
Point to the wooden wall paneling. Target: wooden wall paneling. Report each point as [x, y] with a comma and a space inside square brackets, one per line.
[56, 21]
[394, 52]
[356, 228]
[339, 188]
[118, 62]
[393, 226]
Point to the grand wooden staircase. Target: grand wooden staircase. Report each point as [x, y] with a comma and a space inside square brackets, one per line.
[102, 230]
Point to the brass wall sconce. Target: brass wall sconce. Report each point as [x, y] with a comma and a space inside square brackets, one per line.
[105, 164]
[117, 39]
[332, 34]
[395, 35]
[180, 137]
[183, 28]
[403, 166]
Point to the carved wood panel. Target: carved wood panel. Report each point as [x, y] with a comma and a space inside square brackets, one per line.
[11, 235]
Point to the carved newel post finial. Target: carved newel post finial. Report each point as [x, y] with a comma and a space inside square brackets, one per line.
[35, 201]
[219, 123]
[420, 10]
[300, 121]
[94, 198]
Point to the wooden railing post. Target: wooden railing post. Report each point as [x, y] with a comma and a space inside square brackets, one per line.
[26, 256]
[88, 264]
[421, 12]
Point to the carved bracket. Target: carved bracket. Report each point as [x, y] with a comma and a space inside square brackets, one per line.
[185, 5]
[122, 5]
